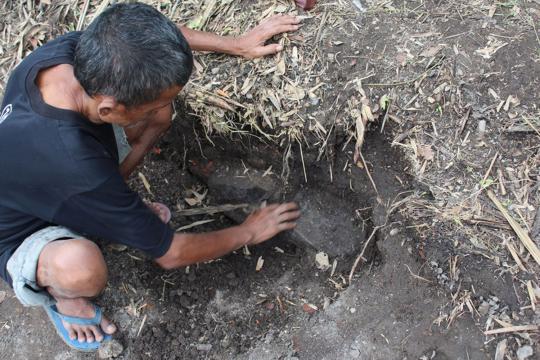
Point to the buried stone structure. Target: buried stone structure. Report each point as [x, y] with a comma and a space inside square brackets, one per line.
[327, 223]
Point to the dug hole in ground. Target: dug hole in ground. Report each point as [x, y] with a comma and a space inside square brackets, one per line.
[399, 127]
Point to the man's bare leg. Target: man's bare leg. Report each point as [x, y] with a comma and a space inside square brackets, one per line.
[73, 271]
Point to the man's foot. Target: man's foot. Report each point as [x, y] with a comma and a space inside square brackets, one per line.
[160, 210]
[306, 4]
[84, 333]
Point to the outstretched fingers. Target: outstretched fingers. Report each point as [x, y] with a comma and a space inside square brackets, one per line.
[286, 226]
[267, 50]
[271, 29]
[289, 216]
[291, 206]
[281, 19]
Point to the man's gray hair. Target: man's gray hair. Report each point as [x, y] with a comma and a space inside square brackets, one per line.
[133, 53]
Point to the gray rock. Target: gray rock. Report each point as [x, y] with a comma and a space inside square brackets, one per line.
[204, 347]
[327, 220]
[110, 349]
[326, 224]
[483, 309]
[354, 353]
[524, 352]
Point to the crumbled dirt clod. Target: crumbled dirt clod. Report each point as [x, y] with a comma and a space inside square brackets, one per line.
[110, 349]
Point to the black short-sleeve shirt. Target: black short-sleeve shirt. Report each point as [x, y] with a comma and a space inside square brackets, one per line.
[58, 168]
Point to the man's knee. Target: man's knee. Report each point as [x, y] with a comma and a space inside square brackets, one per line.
[73, 267]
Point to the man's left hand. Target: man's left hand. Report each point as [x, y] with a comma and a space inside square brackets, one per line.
[252, 44]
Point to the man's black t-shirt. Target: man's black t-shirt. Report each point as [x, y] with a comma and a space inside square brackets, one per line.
[58, 168]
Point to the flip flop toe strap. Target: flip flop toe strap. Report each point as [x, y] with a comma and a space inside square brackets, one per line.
[96, 320]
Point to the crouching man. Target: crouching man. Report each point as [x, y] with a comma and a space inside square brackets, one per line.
[60, 181]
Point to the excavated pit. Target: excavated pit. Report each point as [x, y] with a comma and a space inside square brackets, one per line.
[339, 204]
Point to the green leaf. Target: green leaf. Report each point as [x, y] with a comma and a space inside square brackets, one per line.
[486, 183]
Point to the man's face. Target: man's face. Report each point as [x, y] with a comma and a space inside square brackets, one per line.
[119, 114]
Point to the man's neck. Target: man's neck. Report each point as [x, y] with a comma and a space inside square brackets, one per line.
[60, 88]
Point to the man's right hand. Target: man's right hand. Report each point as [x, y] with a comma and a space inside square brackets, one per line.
[261, 225]
[267, 222]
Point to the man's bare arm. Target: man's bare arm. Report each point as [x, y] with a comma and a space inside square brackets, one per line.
[250, 45]
[144, 139]
[263, 224]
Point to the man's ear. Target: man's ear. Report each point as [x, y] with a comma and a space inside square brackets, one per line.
[106, 105]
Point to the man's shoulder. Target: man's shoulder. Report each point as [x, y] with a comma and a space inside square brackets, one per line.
[63, 45]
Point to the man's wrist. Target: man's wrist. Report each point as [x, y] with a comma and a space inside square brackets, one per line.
[235, 46]
[248, 235]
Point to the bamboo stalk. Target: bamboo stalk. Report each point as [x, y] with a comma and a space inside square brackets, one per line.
[522, 234]
[509, 329]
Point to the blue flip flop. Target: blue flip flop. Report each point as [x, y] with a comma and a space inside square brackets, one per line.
[57, 318]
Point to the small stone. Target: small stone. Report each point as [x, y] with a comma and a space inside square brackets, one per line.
[185, 301]
[322, 262]
[355, 354]
[215, 70]
[524, 352]
[204, 347]
[352, 310]
[309, 308]
[110, 349]
[326, 303]
[394, 232]
[225, 343]
[482, 127]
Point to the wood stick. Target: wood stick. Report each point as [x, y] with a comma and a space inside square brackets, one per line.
[368, 173]
[522, 235]
[303, 164]
[512, 329]
[83, 15]
[530, 290]
[361, 255]
[196, 223]
[532, 126]
[515, 256]
[490, 167]
[211, 209]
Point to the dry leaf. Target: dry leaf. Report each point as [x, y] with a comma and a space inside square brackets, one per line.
[116, 247]
[401, 58]
[501, 350]
[145, 183]
[491, 48]
[511, 101]
[2, 296]
[425, 152]
[260, 263]
[432, 51]
[309, 308]
[281, 67]
[295, 92]
[321, 259]
[192, 201]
